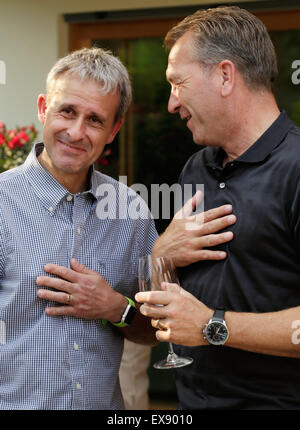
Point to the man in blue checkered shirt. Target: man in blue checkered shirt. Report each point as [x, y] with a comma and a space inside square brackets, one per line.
[68, 268]
[51, 223]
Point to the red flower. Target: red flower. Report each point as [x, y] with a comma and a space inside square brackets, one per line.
[32, 128]
[2, 139]
[14, 143]
[103, 162]
[107, 152]
[23, 136]
[12, 132]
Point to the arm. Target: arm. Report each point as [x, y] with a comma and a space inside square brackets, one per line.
[188, 236]
[91, 297]
[183, 318]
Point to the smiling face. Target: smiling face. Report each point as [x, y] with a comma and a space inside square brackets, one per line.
[79, 120]
[195, 92]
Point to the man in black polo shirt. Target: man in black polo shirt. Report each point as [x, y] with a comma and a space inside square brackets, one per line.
[238, 318]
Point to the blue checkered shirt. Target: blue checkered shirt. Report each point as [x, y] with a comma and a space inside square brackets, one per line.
[61, 362]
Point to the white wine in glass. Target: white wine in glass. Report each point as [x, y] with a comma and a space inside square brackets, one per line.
[152, 272]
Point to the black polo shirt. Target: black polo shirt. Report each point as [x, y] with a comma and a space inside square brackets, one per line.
[260, 274]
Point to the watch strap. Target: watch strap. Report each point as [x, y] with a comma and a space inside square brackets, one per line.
[219, 314]
[127, 315]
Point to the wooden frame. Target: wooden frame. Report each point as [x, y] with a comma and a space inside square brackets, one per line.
[81, 34]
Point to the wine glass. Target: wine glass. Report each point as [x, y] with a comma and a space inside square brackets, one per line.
[152, 272]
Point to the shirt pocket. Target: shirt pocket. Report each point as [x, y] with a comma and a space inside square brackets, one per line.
[121, 274]
[8, 290]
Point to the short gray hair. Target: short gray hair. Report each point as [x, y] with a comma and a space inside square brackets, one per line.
[230, 33]
[99, 65]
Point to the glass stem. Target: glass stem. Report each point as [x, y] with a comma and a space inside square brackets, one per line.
[171, 350]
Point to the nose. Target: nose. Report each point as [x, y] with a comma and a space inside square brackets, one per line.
[173, 105]
[76, 129]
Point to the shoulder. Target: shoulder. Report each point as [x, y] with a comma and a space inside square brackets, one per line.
[105, 182]
[120, 197]
[294, 135]
[11, 175]
[197, 162]
[289, 150]
[12, 183]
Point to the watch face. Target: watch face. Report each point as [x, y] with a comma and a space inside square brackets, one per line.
[216, 333]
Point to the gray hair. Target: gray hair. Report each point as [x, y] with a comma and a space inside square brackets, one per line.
[99, 65]
[230, 33]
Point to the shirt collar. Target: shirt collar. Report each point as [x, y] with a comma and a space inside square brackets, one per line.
[45, 186]
[263, 147]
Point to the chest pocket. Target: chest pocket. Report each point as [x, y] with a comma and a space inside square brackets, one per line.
[121, 274]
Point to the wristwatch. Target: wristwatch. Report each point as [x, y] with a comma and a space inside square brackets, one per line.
[216, 331]
[127, 315]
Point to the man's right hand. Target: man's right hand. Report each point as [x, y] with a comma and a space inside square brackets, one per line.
[188, 236]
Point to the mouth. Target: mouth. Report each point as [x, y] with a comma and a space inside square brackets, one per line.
[187, 119]
[71, 147]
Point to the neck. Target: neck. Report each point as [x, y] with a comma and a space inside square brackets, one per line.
[74, 183]
[252, 118]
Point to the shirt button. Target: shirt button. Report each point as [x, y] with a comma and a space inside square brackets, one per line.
[51, 209]
[69, 197]
[78, 230]
[222, 185]
[78, 386]
[76, 346]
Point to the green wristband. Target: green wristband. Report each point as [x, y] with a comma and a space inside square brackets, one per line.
[129, 307]
[127, 314]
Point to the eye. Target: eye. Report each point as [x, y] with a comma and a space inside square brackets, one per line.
[67, 111]
[95, 121]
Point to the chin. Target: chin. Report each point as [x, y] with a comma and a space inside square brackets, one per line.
[202, 141]
[199, 141]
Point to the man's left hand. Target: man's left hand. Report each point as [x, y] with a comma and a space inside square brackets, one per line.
[182, 317]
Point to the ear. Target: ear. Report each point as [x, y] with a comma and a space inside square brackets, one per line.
[115, 130]
[227, 71]
[42, 108]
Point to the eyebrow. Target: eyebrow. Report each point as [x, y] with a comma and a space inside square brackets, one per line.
[171, 76]
[101, 118]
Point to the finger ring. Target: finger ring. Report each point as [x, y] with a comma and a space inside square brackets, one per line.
[157, 324]
[68, 299]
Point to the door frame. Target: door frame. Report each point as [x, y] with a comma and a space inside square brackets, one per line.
[82, 34]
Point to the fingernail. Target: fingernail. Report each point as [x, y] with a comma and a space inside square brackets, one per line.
[228, 235]
[228, 208]
[231, 218]
[222, 254]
